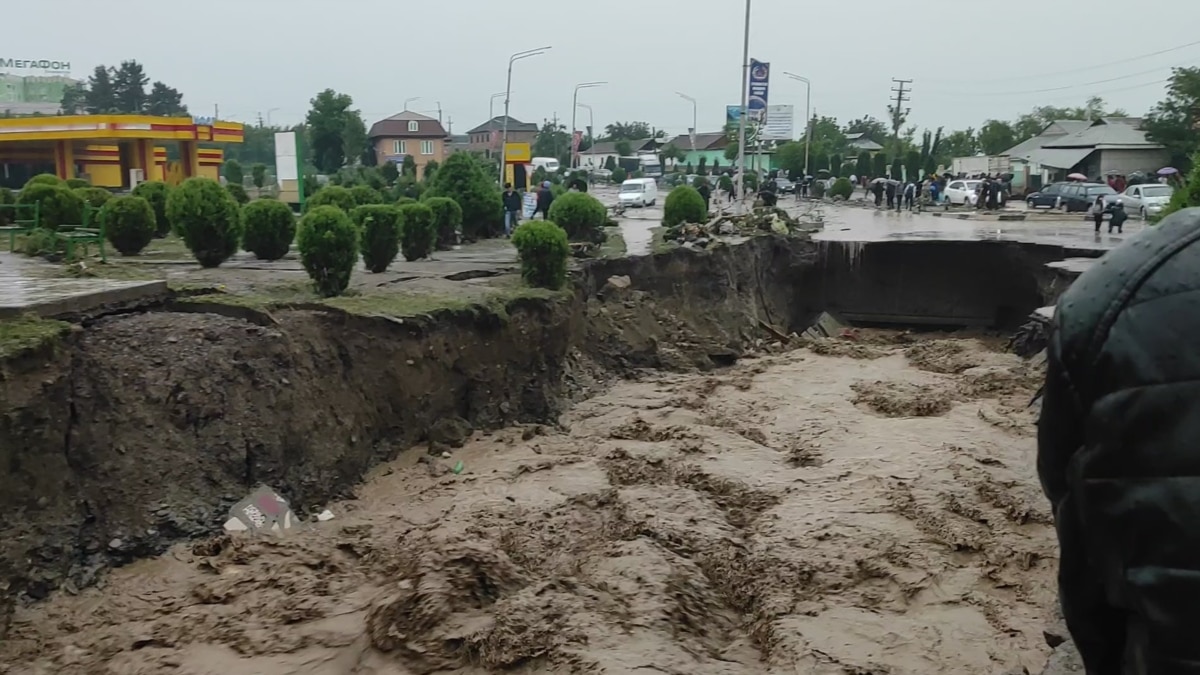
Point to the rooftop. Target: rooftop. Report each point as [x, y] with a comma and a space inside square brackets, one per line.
[497, 123]
[713, 140]
[397, 126]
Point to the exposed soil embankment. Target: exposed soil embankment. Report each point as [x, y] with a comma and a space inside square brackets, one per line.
[143, 428]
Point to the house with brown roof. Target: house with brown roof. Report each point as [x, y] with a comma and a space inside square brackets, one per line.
[486, 137]
[409, 134]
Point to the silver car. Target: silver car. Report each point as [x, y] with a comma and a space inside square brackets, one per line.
[1146, 200]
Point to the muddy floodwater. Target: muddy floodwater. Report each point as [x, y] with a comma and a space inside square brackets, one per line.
[860, 506]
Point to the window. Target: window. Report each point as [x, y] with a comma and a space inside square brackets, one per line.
[957, 185]
[414, 125]
[426, 147]
[399, 148]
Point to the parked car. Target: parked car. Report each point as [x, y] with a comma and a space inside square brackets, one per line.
[1148, 199]
[962, 192]
[1072, 197]
[784, 186]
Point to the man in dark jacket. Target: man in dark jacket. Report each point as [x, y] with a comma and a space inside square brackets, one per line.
[1118, 455]
[544, 199]
[512, 209]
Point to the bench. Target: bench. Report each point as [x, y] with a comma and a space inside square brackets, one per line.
[84, 234]
[25, 217]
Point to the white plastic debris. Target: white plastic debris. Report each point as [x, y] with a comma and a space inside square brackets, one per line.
[325, 515]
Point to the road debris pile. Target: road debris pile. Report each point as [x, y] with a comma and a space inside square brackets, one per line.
[760, 220]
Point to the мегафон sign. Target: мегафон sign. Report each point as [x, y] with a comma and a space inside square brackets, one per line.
[35, 64]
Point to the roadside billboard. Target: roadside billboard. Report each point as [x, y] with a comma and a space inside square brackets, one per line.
[780, 124]
[760, 84]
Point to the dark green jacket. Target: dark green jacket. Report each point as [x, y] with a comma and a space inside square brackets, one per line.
[1119, 453]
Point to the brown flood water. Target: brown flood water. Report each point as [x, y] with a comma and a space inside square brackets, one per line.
[868, 509]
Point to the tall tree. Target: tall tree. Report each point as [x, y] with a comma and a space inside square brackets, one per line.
[129, 87]
[100, 97]
[996, 137]
[962, 143]
[553, 140]
[862, 165]
[328, 120]
[873, 128]
[1174, 120]
[627, 131]
[165, 101]
[354, 140]
[74, 99]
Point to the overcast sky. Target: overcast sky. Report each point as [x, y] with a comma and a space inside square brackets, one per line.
[969, 61]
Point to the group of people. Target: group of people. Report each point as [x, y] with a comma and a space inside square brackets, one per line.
[514, 205]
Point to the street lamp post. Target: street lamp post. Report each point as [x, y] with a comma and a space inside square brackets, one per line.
[491, 121]
[807, 118]
[695, 116]
[269, 115]
[508, 97]
[574, 106]
[591, 119]
[741, 172]
[410, 100]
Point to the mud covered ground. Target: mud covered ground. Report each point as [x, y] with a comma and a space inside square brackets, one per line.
[864, 506]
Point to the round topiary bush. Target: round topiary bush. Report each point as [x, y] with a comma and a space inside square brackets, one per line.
[93, 196]
[619, 175]
[817, 189]
[684, 205]
[206, 216]
[418, 231]
[379, 230]
[581, 215]
[841, 188]
[405, 200]
[239, 193]
[328, 243]
[447, 220]
[44, 179]
[57, 204]
[128, 223]
[463, 179]
[155, 192]
[543, 249]
[269, 228]
[332, 195]
[75, 183]
[365, 194]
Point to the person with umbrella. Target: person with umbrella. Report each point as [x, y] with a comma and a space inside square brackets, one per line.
[890, 191]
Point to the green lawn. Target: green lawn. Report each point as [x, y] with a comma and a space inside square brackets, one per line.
[28, 332]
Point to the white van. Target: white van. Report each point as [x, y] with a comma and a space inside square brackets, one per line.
[550, 164]
[638, 192]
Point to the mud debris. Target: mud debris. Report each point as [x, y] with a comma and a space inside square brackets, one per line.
[902, 399]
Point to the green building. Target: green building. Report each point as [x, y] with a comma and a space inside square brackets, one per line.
[26, 95]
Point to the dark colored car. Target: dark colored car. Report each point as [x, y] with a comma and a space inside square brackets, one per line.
[784, 186]
[1072, 197]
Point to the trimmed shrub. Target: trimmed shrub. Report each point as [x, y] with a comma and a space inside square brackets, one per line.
[543, 249]
[270, 227]
[332, 195]
[379, 233]
[328, 243]
[58, 205]
[156, 192]
[817, 189]
[581, 215]
[841, 188]
[405, 200]
[44, 179]
[233, 173]
[42, 242]
[447, 220]
[462, 179]
[619, 175]
[76, 183]
[93, 196]
[7, 196]
[128, 223]
[238, 193]
[684, 205]
[418, 231]
[207, 218]
[258, 175]
[365, 194]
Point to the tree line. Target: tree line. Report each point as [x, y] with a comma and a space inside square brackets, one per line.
[122, 90]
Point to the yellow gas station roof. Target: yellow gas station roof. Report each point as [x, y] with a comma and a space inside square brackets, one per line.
[115, 127]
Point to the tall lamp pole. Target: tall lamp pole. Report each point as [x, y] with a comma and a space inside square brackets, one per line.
[741, 172]
[410, 100]
[695, 116]
[507, 98]
[591, 119]
[807, 118]
[574, 107]
[491, 121]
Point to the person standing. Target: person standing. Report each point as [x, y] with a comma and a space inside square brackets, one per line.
[512, 209]
[890, 189]
[1116, 453]
[1097, 213]
[544, 199]
[1118, 218]
[705, 192]
[877, 189]
[910, 195]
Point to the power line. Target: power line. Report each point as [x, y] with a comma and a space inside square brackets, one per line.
[1050, 89]
[1102, 92]
[1082, 69]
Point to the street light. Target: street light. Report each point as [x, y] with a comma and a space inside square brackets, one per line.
[492, 120]
[591, 119]
[269, 115]
[741, 172]
[508, 97]
[807, 118]
[694, 117]
[410, 100]
[574, 105]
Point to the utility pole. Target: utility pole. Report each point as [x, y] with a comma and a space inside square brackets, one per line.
[216, 112]
[260, 122]
[439, 112]
[450, 124]
[899, 114]
[741, 168]
[554, 134]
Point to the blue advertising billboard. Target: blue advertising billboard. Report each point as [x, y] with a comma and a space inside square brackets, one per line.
[760, 82]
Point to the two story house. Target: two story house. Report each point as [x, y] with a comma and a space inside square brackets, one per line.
[409, 134]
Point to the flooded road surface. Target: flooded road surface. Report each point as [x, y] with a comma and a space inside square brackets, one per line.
[864, 507]
[849, 223]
